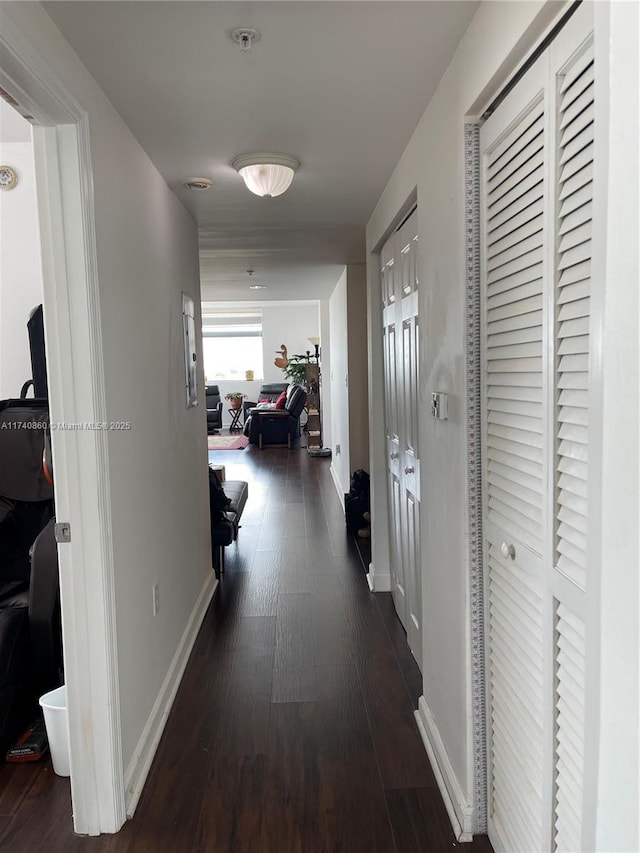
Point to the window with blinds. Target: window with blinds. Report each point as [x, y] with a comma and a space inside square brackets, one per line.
[232, 342]
[575, 198]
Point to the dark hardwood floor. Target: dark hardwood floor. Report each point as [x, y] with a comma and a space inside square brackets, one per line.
[293, 729]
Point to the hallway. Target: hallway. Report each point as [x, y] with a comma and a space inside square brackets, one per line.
[293, 729]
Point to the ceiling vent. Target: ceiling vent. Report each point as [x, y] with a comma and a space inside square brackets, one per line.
[197, 183]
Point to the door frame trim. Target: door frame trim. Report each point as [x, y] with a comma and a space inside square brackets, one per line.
[64, 180]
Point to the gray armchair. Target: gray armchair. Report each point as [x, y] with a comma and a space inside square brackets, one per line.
[214, 409]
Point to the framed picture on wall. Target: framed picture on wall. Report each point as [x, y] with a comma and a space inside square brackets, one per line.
[190, 353]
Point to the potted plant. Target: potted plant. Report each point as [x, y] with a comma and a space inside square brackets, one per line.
[295, 370]
[235, 399]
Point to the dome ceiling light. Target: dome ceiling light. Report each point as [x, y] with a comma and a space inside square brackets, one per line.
[266, 175]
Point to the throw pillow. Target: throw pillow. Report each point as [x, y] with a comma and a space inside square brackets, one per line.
[281, 400]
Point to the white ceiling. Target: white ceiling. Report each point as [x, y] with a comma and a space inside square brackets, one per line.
[340, 85]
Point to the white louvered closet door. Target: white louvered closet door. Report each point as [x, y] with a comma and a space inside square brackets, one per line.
[515, 186]
[573, 139]
[537, 171]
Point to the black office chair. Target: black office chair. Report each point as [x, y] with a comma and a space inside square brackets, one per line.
[214, 409]
[26, 507]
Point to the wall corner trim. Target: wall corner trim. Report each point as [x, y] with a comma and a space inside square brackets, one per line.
[378, 580]
[337, 484]
[140, 764]
[459, 809]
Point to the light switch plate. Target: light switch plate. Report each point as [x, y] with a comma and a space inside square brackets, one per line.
[439, 405]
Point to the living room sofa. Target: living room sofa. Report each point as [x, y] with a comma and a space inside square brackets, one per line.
[266, 425]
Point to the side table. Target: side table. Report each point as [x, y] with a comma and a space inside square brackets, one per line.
[235, 419]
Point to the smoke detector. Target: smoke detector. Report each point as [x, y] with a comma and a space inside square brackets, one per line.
[197, 183]
[245, 37]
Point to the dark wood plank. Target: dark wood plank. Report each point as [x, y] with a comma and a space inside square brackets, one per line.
[261, 595]
[352, 808]
[172, 799]
[333, 637]
[42, 822]
[285, 517]
[291, 787]
[421, 824]
[244, 716]
[323, 788]
[15, 782]
[401, 754]
[294, 576]
[397, 635]
[231, 816]
[293, 676]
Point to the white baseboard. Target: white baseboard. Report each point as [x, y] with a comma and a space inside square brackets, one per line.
[378, 581]
[337, 484]
[460, 811]
[140, 764]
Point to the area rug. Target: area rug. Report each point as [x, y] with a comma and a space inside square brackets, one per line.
[227, 442]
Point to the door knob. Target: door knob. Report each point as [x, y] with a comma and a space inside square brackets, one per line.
[394, 455]
[508, 551]
[409, 470]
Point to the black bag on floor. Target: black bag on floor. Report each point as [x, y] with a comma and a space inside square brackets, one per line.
[218, 501]
[357, 502]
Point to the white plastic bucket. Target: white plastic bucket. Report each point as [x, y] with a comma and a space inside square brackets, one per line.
[56, 721]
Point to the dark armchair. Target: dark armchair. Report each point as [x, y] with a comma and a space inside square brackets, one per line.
[214, 409]
[277, 426]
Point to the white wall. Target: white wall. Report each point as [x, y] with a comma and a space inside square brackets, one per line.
[147, 254]
[346, 388]
[358, 366]
[326, 408]
[433, 163]
[291, 324]
[20, 268]
[339, 373]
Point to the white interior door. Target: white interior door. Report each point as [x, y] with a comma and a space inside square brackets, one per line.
[401, 336]
[537, 169]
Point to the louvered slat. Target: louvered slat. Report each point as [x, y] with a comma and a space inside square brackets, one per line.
[570, 649]
[516, 685]
[573, 309]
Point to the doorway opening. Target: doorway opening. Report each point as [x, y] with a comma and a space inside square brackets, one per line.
[64, 185]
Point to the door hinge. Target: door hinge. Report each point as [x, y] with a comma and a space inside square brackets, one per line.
[62, 531]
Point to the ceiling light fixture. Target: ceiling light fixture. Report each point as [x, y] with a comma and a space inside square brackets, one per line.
[266, 175]
[257, 287]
